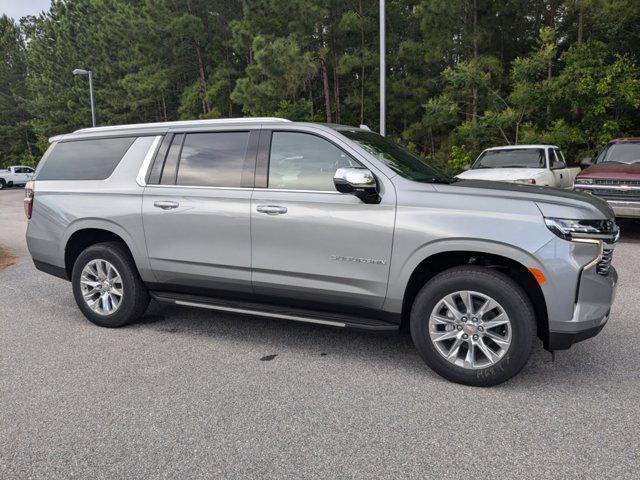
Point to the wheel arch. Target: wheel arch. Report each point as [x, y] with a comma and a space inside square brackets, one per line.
[512, 262]
[84, 234]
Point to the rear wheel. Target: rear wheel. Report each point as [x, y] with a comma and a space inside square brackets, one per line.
[107, 286]
[2, 183]
[473, 325]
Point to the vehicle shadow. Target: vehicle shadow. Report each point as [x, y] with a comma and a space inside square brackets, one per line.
[282, 339]
[629, 230]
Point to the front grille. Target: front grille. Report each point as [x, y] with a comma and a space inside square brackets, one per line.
[605, 263]
[611, 194]
[607, 181]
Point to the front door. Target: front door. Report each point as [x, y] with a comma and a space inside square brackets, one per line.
[559, 169]
[196, 216]
[312, 244]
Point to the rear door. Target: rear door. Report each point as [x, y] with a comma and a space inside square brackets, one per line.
[311, 244]
[196, 211]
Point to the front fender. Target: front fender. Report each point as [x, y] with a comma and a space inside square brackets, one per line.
[399, 277]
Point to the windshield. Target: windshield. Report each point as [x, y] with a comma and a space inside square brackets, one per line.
[620, 153]
[397, 158]
[511, 158]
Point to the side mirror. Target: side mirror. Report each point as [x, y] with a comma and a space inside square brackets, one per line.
[466, 167]
[359, 182]
[586, 162]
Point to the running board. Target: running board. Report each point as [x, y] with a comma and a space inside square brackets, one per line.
[276, 311]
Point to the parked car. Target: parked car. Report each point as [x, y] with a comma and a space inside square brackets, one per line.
[17, 175]
[543, 165]
[615, 176]
[329, 225]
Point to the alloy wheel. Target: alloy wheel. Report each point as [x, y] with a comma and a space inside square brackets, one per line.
[101, 287]
[470, 329]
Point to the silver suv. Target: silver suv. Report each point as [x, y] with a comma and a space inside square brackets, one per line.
[325, 224]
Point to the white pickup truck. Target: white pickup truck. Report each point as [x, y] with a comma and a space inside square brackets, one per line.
[532, 164]
[15, 175]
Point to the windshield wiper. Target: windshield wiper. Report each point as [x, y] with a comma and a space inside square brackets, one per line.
[435, 180]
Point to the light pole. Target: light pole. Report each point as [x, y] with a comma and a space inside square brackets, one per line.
[383, 71]
[80, 71]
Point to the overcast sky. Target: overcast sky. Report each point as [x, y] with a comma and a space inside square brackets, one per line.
[19, 8]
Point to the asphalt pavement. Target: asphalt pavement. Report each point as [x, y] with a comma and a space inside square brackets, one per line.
[194, 394]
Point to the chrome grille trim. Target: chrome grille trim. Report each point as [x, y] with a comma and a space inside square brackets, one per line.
[604, 265]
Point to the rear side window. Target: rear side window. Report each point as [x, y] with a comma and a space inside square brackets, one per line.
[212, 159]
[84, 159]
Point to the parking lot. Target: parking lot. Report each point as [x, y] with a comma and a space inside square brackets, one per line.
[195, 394]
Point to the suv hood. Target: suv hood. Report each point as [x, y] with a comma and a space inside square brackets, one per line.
[612, 171]
[552, 202]
[500, 174]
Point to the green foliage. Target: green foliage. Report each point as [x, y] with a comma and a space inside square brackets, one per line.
[462, 75]
[459, 156]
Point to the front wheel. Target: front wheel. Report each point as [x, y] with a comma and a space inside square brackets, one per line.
[473, 325]
[107, 286]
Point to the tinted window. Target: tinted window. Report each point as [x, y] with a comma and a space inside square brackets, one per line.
[168, 174]
[84, 159]
[213, 159]
[300, 161]
[511, 158]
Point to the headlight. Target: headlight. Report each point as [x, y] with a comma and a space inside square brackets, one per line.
[568, 229]
[584, 181]
[529, 181]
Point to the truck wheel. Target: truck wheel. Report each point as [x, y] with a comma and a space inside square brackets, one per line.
[107, 286]
[473, 325]
[2, 183]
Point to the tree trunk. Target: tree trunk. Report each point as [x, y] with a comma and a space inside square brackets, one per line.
[203, 79]
[336, 94]
[551, 22]
[164, 109]
[474, 92]
[362, 65]
[580, 23]
[325, 90]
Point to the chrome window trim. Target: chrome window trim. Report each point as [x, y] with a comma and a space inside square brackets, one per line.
[198, 187]
[141, 179]
[331, 192]
[259, 189]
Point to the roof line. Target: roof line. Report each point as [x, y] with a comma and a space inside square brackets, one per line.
[181, 123]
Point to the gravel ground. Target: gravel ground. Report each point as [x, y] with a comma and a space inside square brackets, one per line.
[194, 394]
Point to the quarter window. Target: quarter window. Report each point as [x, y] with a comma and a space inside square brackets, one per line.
[300, 161]
[84, 159]
[212, 159]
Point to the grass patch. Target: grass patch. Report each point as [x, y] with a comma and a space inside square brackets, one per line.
[6, 258]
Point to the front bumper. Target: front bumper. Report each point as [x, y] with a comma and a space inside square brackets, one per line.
[614, 195]
[592, 308]
[625, 209]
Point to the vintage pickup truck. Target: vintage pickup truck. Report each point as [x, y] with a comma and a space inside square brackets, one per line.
[15, 175]
[543, 165]
[614, 176]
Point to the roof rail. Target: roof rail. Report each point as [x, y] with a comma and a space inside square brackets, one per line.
[183, 123]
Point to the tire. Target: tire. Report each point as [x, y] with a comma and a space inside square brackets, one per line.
[475, 368]
[2, 183]
[133, 300]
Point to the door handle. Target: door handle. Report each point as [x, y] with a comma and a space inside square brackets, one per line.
[271, 209]
[166, 204]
